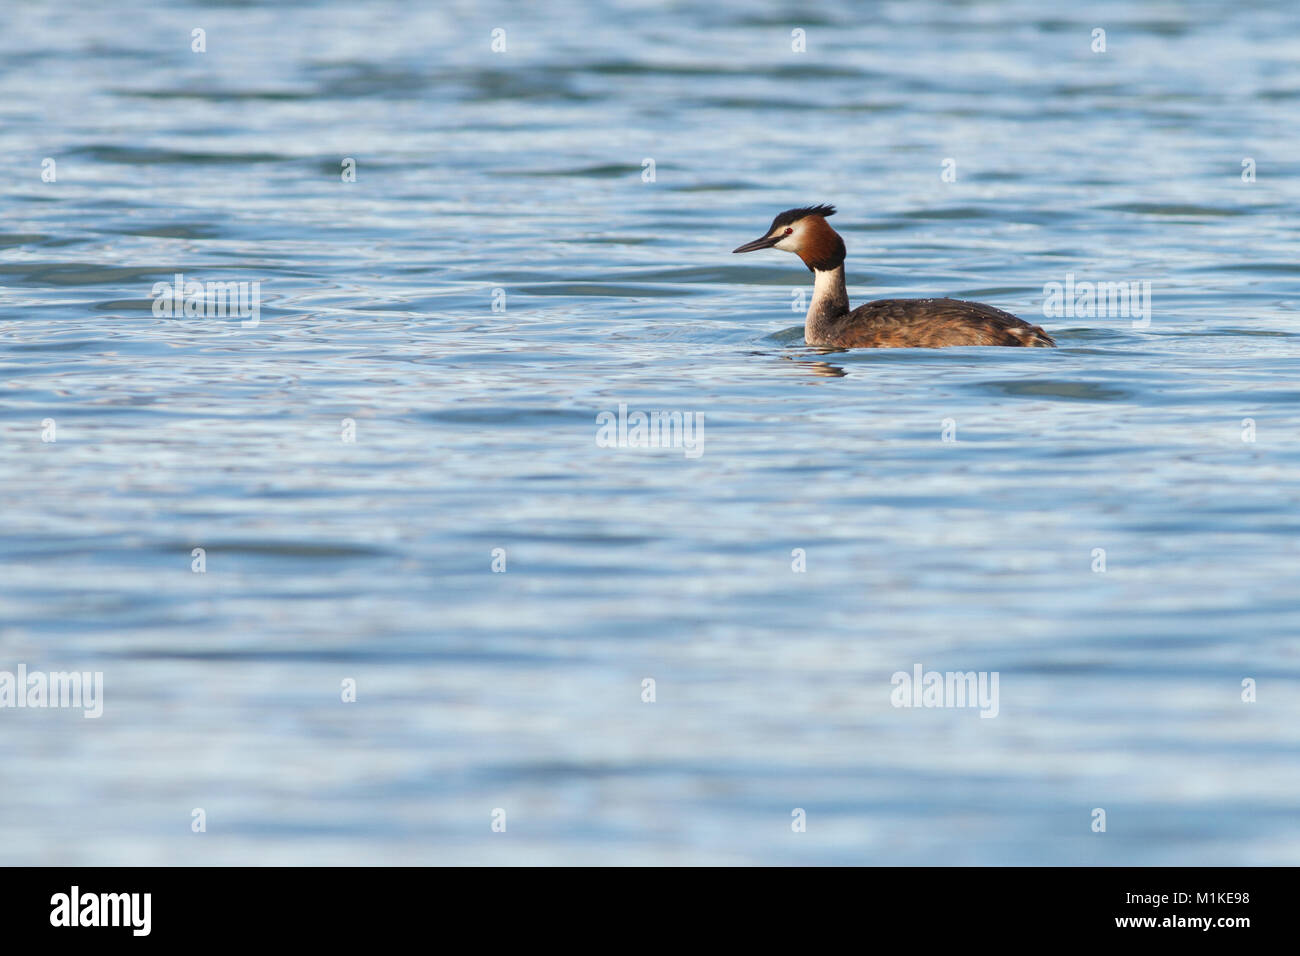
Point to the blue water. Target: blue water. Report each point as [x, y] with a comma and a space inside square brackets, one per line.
[475, 429]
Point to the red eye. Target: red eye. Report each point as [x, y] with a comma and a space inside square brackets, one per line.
[788, 230]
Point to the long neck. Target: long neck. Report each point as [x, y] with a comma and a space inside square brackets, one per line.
[822, 251]
[830, 300]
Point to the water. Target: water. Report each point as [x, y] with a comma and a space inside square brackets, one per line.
[522, 171]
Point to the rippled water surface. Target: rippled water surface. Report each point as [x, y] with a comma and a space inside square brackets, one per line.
[1173, 447]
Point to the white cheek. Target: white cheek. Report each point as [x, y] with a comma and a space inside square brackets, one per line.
[787, 244]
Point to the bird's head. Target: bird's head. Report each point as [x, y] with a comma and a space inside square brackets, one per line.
[806, 233]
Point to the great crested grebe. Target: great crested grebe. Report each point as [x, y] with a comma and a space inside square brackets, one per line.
[885, 323]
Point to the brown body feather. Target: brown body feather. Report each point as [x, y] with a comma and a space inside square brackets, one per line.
[925, 323]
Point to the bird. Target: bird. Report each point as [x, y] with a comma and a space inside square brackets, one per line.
[885, 323]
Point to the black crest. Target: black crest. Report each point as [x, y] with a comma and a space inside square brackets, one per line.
[794, 215]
